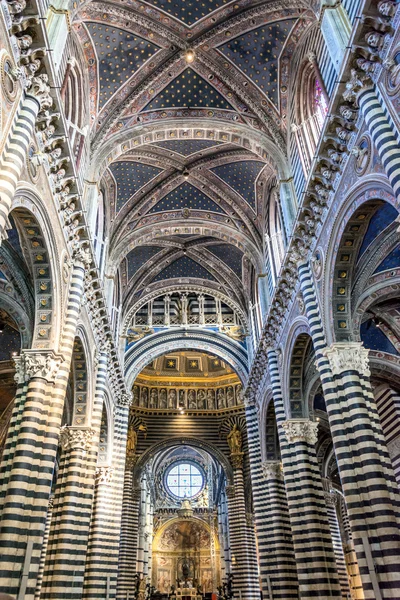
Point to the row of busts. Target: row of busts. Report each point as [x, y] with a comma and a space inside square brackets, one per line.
[196, 399]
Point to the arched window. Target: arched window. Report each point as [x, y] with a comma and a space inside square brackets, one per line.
[312, 108]
[71, 93]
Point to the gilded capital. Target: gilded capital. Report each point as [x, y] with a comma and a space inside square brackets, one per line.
[301, 430]
[348, 356]
[237, 460]
[76, 438]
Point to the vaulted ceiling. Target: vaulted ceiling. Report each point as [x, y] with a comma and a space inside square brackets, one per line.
[188, 103]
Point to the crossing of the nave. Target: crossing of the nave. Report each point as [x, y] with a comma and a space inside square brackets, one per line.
[199, 299]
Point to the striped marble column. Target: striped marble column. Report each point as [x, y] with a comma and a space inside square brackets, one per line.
[244, 560]
[68, 541]
[223, 534]
[275, 547]
[315, 559]
[13, 158]
[66, 550]
[331, 500]
[105, 531]
[30, 475]
[353, 571]
[13, 428]
[367, 489]
[283, 582]
[44, 548]
[316, 569]
[382, 134]
[129, 536]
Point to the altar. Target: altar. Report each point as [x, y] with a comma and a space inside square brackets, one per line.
[187, 593]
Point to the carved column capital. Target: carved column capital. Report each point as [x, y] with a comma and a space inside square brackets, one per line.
[104, 474]
[249, 519]
[301, 430]
[331, 498]
[230, 491]
[272, 469]
[237, 460]
[348, 356]
[124, 400]
[81, 253]
[136, 494]
[249, 399]
[39, 88]
[131, 460]
[43, 364]
[358, 82]
[76, 438]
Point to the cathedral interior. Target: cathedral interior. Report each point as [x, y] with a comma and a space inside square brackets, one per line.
[199, 299]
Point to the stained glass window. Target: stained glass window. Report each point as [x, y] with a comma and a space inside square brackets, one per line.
[184, 480]
[321, 105]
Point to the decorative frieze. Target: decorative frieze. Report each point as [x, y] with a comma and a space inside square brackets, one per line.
[348, 356]
[301, 430]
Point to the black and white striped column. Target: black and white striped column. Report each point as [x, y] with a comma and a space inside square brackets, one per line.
[13, 158]
[129, 536]
[30, 474]
[368, 490]
[274, 536]
[331, 501]
[382, 135]
[315, 559]
[105, 532]
[66, 549]
[282, 582]
[244, 558]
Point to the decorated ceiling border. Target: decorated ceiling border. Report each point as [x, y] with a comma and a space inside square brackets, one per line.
[128, 138]
[149, 236]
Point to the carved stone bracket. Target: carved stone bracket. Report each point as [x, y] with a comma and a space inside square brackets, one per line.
[43, 364]
[272, 469]
[301, 430]
[348, 356]
[104, 474]
[76, 438]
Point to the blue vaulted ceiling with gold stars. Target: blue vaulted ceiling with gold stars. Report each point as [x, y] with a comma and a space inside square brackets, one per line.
[188, 105]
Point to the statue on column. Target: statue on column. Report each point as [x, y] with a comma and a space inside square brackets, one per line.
[131, 442]
[235, 440]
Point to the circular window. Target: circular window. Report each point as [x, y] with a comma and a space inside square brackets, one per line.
[184, 479]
